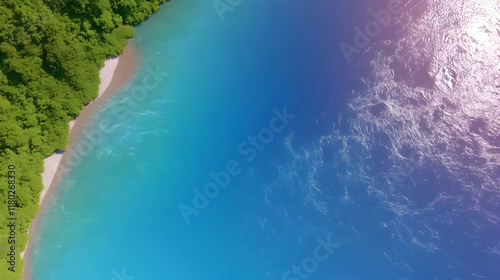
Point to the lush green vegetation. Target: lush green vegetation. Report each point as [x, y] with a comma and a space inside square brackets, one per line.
[50, 55]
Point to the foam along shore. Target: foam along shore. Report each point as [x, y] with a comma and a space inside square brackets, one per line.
[115, 73]
[50, 164]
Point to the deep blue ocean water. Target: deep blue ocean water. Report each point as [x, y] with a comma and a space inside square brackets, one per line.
[339, 190]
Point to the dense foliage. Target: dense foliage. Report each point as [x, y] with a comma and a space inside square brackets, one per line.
[50, 55]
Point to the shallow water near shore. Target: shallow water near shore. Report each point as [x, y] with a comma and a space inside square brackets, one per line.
[338, 175]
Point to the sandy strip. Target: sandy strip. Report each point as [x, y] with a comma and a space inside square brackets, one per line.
[50, 164]
[114, 75]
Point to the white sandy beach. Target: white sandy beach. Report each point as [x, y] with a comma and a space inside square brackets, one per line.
[115, 74]
[51, 163]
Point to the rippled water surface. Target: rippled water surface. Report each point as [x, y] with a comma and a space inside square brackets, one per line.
[387, 167]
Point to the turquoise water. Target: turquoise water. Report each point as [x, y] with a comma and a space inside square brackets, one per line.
[117, 213]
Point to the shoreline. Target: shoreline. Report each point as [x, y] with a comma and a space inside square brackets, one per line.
[51, 163]
[114, 75]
